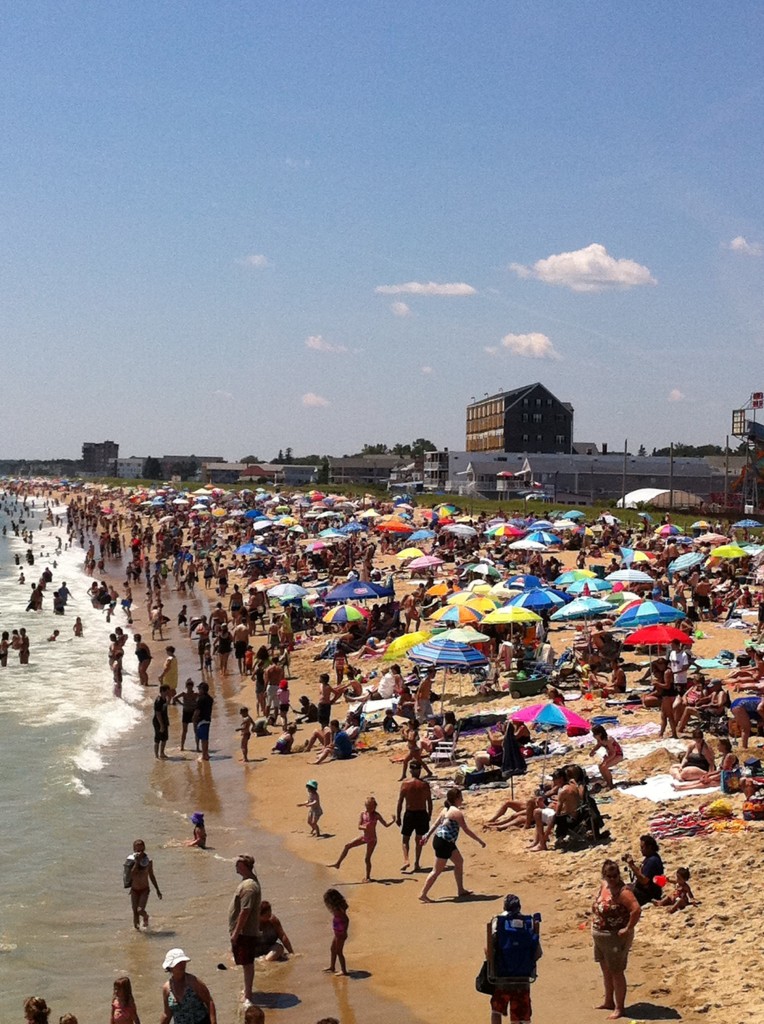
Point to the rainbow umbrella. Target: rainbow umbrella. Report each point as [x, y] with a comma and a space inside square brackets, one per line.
[343, 613]
[456, 614]
[648, 613]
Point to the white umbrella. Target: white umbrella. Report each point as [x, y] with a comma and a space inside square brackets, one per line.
[629, 576]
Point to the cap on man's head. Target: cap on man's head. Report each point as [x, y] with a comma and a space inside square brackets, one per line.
[245, 858]
[174, 957]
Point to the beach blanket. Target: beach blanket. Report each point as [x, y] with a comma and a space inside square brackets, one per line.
[624, 732]
[712, 663]
[660, 788]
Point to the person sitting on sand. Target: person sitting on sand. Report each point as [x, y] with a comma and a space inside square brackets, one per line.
[643, 885]
[686, 704]
[340, 747]
[564, 806]
[697, 762]
[285, 742]
[494, 755]
[750, 677]
[273, 940]
[681, 896]
[522, 815]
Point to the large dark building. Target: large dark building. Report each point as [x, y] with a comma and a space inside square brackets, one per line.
[100, 458]
[527, 419]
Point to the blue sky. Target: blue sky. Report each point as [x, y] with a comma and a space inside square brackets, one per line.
[231, 228]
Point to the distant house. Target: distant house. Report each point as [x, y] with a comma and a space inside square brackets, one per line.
[223, 472]
[373, 470]
[529, 419]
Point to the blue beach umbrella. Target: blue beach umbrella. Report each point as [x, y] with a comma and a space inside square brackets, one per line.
[648, 613]
[422, 535]
[589, 587]
[692, 558]
[525, 581]
[747, 524]
[251, 549]
[356, 590]
[538, 599]
[573, 513]
[446, 654]
[543, 537]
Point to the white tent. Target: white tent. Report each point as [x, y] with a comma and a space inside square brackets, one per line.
[660, 497]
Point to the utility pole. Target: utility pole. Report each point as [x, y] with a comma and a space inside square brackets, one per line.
[623, 480]
[671, 477]
[726, 470]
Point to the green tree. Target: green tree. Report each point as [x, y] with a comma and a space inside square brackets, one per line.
[323, 473]
[288, 456]
[375, 449]
[152, 469]
[642, 451]
[250, 460]
[422, 445]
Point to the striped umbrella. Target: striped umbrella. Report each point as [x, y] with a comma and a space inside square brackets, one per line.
[446, 654]
[648, 613]
[343, 613]
[456, 614]
[572, 575]
[589, 587]
[628, 576]
[538, 599]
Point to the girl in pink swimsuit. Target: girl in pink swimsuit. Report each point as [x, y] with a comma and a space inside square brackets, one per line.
[123, 1009]
[337, 906]
[367, 823]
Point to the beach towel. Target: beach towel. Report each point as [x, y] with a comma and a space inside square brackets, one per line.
[660, 788]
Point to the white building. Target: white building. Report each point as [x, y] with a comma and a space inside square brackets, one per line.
[132, 468]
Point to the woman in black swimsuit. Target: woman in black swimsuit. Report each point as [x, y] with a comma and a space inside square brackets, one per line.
[697, 762]
[663, 695]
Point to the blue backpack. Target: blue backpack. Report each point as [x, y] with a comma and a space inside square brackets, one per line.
[515, 944]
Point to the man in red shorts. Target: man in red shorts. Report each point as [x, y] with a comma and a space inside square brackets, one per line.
[517, 998]
[244, 922]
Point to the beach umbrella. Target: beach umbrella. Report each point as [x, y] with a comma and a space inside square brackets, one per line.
[589, 587]
[641, 556]
[746, 524]
[655, 636]
[251, 549]
[581, 608]
[355, 590]
[343, 613]
[525, 581]
[410, 553]
[460, 530]
[316, 545]
[479, 587]
[446, 654]
[287, 592]
[262, 524]
[574, 513]
[445, 509]
[422, 535]
[541, 524]
[353, 527]
[456, 613]
[479, 602]
[667, 530]
[426, 562]
[567, 524]
[394, 526]
[558, 716]
[331, 534]
[648, 613]
[711, 538]
[504, 530]
[438, 589]
[572, 575]
[509, 615]
[398, 647]
[544, 537]
[728, 551]
[619, 597]
[296, 529]
[483, 569]
[526, 544]
[463, 635]
[700, 524]
[629, 576]
[537, 600]
[688, 561]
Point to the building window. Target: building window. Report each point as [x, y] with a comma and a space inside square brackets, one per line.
[539, 437]
[559, 439]
[538, 401]
[537, 417]
[525, 401]
[525, 438]
[525, 417]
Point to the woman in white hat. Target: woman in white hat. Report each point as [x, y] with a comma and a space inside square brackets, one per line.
[186, 999]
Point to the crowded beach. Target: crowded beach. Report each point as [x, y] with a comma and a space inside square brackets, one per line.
[564, 706]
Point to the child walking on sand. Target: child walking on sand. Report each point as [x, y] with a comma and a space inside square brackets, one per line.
[682, 896]
[246, 728]
[337, 906]
[314, 807]
[367, 823]
[123, 1010]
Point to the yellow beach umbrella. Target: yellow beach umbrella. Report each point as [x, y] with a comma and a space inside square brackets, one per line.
[508, 615]
[477, 602]
[410, 553]
[219, 512]
[479, 587]
[401, 644]
[729, 551]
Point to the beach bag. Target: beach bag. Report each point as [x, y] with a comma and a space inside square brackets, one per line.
[127, 871]
[730, 781]
[482, 984]
[753, 810]
[515, 951]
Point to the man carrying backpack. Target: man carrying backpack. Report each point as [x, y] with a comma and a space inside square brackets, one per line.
[512, 952]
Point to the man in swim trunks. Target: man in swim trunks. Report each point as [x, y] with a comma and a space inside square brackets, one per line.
[142, 873]
[161, 722]
[416, 795]
[143, 654]
[244, 922]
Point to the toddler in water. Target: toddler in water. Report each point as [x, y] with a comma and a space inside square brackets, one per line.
[314, 807]
[123, 1010]
[337, 905]
[682, 896]
[246, 728]
[367, 823]
[200, 832]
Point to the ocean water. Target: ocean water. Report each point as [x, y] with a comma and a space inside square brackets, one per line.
[78, 782]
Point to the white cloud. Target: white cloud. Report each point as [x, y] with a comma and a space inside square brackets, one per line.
[255, 259]
[529, 346]
[291, 162]
[319, 344]
[592, 269]
[742, 245]
[313, 401]
[427, 370]
[223, 394]
[429, 288]
[675, 395]
[400, 309]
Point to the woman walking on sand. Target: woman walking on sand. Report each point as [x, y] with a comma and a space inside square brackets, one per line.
[446, 830]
